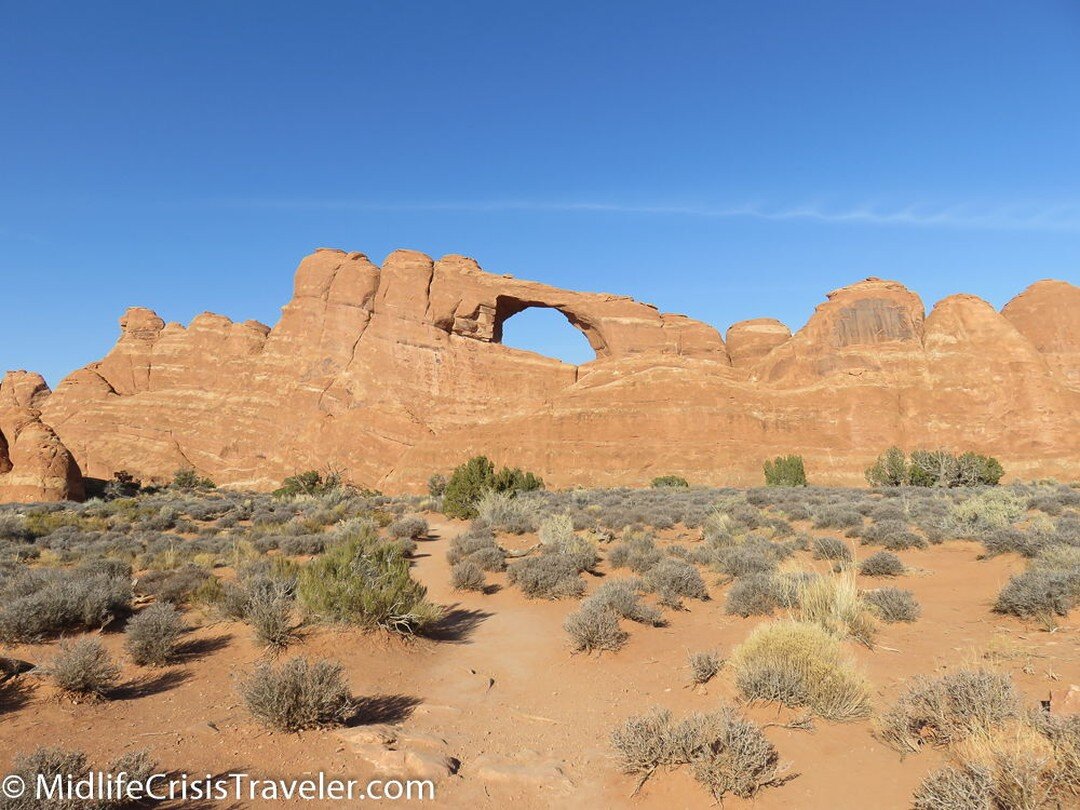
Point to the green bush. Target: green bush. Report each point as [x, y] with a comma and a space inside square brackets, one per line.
[477, 476]
[785, 471]
[309, 482]
[889, 469]
[675, 481]
[365, 581]
[187, 479]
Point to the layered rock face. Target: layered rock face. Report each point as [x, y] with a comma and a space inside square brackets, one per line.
[391, 373]
[34, 463]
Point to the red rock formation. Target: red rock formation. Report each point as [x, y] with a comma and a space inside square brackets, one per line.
[34, 464]
[391, 373]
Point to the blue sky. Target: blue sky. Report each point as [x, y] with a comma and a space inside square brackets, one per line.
[725, 160]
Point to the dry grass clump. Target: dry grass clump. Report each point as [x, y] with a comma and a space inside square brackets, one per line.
[151, 636]
[467, 576]
[505, 511]
[831, 548]
[893, 604]
[636, 551]
[949, 709]
[408, 527]
[38, 603]
[547, 576]
[882, 564]
[726, 753]
[298, 695]
[704, 665]
[835, 604]
[84, 668]
[800, 664]
[893, 535]
[1029, 764]
[755, 595]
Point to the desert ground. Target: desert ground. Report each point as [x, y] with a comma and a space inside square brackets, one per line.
[489, 695]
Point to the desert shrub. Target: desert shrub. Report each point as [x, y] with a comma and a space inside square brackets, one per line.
[302, 545]
[785, 471]
[882, 564]
[1040, 591]
[408, 527]
[505, 512]
[834, 604]
[151, 635]
[673, 578]
[547, 576]
[726, 753]
[309, 482]
[1008, 539]
[987, 511]
[830, 548]
[594, 626]
[83, 667]
[894, 535]
[623, 598]
[298, 695]
[467, 576]
[753, 595]
[50, 763]
[38, 603]
[800, 664]
[670, 482]
[470, 481]
[364, 581]
[952, 788]
[436, 485]
[949, 709]
[175, 586]
[704, 665]
[755, 555]
[122, 485]
[836, 517]
[556, 529]
[187, 480]
[479, 546]
[889, 469]
[893, 604]
[940, 468]
[635, 551]
[268, 608]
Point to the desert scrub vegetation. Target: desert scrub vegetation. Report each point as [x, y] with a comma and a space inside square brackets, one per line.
[593, 627]
[882, 564]
[39, 603]
[669, 481]
[83, 668]
[933, 468]
[835, 604]
[60, 763]
[726, 752]
[785, 471]
[151, 635]
[799, 664]
[949, 709]
[477, 545]
[365, 581]
[893, 604]
[703, 665]
[467, 576]
[477, 477]
[1049, 587]
[831, 548]
[298, 694]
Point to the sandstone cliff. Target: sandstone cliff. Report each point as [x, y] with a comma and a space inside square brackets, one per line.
[34, 464]
[391, 373]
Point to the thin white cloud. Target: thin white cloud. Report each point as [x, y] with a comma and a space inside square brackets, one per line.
[1020, 216]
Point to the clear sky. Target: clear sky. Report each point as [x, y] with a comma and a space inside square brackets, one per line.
[725, 160]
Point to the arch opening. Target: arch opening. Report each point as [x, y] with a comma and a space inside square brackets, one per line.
[543, 330]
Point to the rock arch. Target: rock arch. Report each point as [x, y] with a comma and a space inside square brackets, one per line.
[507, 306]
